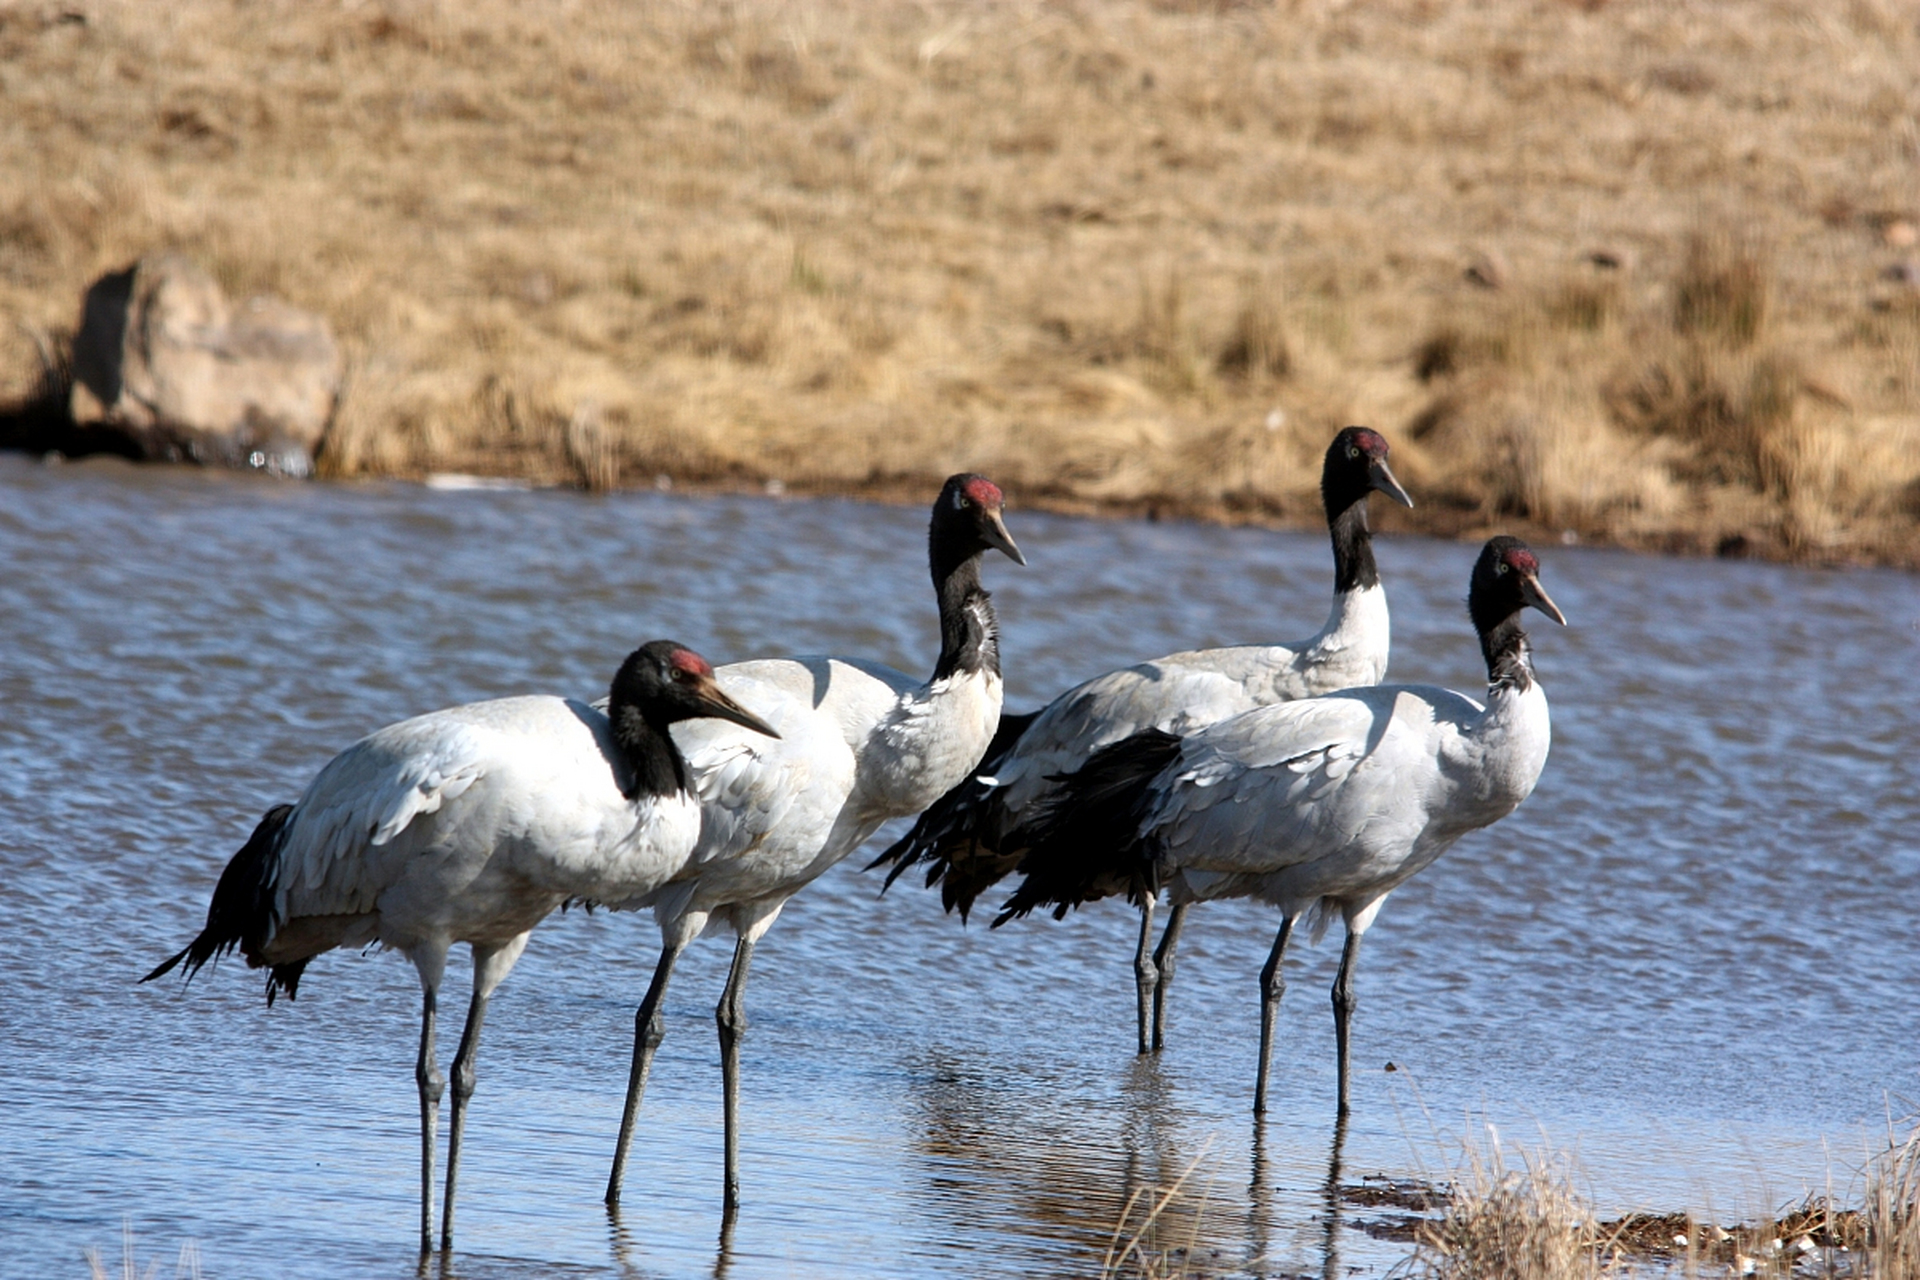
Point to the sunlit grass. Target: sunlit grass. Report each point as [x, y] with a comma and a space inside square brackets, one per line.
[1616, 269]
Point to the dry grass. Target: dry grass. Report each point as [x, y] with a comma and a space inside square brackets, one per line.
[1614, 267]
[1527, 1220]
[186, 1268]
[1140, 1247]
[1511, 1222]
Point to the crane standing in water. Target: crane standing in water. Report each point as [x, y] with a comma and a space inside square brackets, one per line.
[1328, 802]
[469, 825]
[860, 743]
[969, 839]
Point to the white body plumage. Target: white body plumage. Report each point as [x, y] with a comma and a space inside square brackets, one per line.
[1328, 802]
[470, 824]
[1342, 797]
[859, 743]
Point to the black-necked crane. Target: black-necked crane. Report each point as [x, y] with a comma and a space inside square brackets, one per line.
[1327, 802]
[469, 825]
[964, 839]
[859, 743]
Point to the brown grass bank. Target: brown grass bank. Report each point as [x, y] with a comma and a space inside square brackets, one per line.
[1614, 266]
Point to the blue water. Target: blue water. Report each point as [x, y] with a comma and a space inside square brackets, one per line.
[1689, 959]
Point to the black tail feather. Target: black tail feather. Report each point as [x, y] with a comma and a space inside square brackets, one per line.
[958, 837]
[241, 914]
[286, 977]
[1084, 842]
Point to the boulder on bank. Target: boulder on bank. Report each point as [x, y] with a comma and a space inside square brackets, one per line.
[164, 359]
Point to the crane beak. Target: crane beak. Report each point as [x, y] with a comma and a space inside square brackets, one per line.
[1381, 477]
[993, 531]
[718, 705]
[1536, 595]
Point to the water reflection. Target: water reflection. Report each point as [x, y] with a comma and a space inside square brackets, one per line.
[1335, 1202]
[1266, 1206]
[1084, 1181]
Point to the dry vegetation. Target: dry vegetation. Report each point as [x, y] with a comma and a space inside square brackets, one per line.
[1620, 268]
[1526, 1219]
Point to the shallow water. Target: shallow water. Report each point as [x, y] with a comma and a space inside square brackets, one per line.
[1690, 958]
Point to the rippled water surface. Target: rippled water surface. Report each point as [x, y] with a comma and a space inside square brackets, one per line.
[1690, 958]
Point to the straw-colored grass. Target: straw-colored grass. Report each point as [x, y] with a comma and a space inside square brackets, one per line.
[1140, 1248]
[1524, 1217]
[1511, 1218]
[1608, 267]
[187, 1267]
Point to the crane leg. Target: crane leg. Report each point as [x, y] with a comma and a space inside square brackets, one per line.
[1273, 984]
[1146, 978]
[1163, 961]
[1344, 1001]
[427, 1073]
[463, 1082]
[730, 1015]
[649, 1029]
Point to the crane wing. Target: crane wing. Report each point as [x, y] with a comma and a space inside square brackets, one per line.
[1262, 790]
[362, 802]
[1176, 694]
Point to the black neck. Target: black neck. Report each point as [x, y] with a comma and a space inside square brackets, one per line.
[1353, 566]
[1509, 659]
[652, 758]
[969, 637]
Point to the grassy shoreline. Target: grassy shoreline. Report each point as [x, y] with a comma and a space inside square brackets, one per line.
[1512, 1213]
[1626, 269]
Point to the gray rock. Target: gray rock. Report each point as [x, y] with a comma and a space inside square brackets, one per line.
[163, 358]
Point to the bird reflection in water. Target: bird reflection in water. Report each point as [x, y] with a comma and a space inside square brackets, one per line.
[1069, 1177]
[1057, 1175]
[621, 1244]
[1263, 1211]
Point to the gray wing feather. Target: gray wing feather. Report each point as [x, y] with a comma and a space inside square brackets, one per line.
[365, 799]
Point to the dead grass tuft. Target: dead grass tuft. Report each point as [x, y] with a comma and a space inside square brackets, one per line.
[1257, 346]
[1139, 1247]
[1528, 1221]
[1892, 1213]
[1505, 1222]
[1721, 290]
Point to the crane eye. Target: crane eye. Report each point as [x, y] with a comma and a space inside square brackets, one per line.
[1500, 567]
[1353, 451]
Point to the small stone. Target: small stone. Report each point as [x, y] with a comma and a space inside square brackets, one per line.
[776, 487]
[1488, 269]
[1900, 234]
